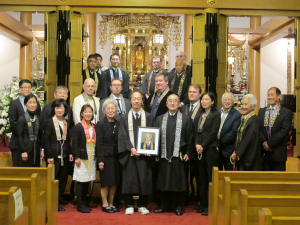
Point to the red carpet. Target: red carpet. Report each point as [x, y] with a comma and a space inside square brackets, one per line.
[96, 217]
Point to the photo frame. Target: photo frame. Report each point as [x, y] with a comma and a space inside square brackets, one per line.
[148, 140]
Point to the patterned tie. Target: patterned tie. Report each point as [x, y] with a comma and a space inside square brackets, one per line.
[120, 109]
[191, 109]
[136, 116]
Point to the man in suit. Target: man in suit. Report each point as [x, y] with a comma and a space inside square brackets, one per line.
[192, 110]
[100, 70]
[158, 102]
[123, 103]
[148, 86]
[91, 72]
[115, 72]
[148, 144]
[230, 122]
[17, 109]
[275, 123]
[180, 80]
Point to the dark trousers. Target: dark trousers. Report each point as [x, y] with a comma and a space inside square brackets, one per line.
[205, 166]
[61, 174]
[156, 196]
[175, 198]
[129, 201]
[269, 165]
[82, 189]
[14, 157]
[224, 163]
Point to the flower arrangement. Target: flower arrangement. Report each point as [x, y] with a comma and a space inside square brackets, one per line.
[11, 92]
[40, 80]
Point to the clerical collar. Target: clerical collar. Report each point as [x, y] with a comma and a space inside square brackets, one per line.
[179, 74]
[172, 114]
[195, 104]
[225, 110]
[156, 71]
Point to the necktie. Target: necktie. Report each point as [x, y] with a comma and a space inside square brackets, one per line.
[191, 109]
[120, 109]
[136, 116]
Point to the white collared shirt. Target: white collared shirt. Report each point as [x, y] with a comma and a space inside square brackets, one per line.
[120, 106]
[139, 112]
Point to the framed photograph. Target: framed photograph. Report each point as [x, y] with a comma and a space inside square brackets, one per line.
[148, 140]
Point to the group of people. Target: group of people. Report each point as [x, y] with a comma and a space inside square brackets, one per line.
[195, 136]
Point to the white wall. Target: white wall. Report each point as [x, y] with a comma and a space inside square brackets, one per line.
[273, 68]
[9, 60]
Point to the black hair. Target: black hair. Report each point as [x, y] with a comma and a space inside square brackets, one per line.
[98, 55]
[83, 108]
[26, 99]
[278, 92]
[24, 81]
[113, 55]
[58, 103]
[91, 56]
[136, 91]
[213, 98]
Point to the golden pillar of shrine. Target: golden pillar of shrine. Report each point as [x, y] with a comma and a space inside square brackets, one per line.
[89, 20]
[188, 24]
[25, 50]
[254, 65]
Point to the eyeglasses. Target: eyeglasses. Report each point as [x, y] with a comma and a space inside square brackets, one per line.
[26, 87]
[173, 101]
[114, 59]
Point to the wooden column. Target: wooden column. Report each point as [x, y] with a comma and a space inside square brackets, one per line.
[25, 50]
[89, 20]
[254, 66]
[188, 23]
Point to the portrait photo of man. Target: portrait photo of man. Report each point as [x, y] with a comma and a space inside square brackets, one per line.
[148, 143]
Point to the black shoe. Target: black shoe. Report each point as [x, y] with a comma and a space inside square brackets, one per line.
[61, 209]
[63, 202]
[204, 212]
[200, 208]
[108, 209]
[115, 208]
[197, 206]
[82, 208]
[160, 210]
[87, 206]
[178, 212]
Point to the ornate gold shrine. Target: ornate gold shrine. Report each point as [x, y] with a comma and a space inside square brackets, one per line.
[139, 37]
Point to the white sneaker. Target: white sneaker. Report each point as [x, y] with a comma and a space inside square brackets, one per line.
[129, 211]
[143, 210]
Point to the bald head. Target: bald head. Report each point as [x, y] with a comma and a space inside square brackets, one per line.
[180, 55]
[89, 86]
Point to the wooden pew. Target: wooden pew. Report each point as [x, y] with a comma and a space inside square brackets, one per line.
[48, 184]
[265, 218]
[228, 200]
[249, 206]
[32, 196]
[7, 209]
[216, 186]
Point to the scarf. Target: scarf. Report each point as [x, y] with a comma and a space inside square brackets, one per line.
[241, 129]
[119, 111]
[87, 74]
[160, 98]
[90, 141]
[33, 137]
[151, 146]
[202, 120]
[112, 74]
[130, 124]
[59, 138]
[86, 99]
[149, 80]
[177, 136]
[269, 122]
[21, 98]
[180, 84]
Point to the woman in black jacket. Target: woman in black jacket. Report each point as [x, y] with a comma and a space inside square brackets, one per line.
[28, 135]
[57, 144]
[83, 146]
[107, 153]
[206, 138]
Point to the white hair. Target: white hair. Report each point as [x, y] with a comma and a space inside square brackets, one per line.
[228, 93]
[251, 98]
[108, 101]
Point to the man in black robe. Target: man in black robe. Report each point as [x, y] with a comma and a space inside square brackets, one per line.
[17, 109]
[148, 144]
[115, 72]
[148, 86]
[175, 150]
[100, 70]
[180, 80]
[137, 169]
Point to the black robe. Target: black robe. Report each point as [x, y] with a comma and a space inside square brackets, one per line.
[137, 171]
[249, 149]
[172, 175]
[125, 82]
